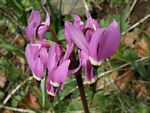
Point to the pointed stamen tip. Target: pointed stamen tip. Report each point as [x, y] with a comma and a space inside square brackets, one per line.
[54, 84]
[94, 62]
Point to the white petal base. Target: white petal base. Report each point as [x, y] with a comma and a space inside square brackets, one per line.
[90, 82]
[51, 94]
[54, 84]
[37, 78]
[94, 62]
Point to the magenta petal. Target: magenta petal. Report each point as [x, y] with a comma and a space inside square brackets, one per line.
[78, 23]
[31, 53]
[33, 23]
[50, 89]
[30, 32]
[73, 71]
[68, 52]
[83, 57]
[44, 26]
[53, 56]
[38, 69]
[61, 72]
[94, 44]
[109, 41]
[88, 72]
[91, 23]
[47, 20]
[55, 49]
[67, 37]
[34, 17]
[44, 56]
[78, 37]
[42, 31]
[43, 43]
[88, 35]
[52, 62]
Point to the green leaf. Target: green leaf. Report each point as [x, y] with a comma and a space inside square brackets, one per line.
[61, 35]
[16, 100]
[15, 4]
[11, 70]
[148, 40]
[143, 108]
[11, 48]
[102, 101]
[2, 95]
[128, 55]
[140, 68]
[75, 105]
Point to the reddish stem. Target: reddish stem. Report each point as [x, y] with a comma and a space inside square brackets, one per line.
[82, 92]
[55, 36]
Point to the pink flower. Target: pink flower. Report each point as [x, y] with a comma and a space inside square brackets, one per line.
[35, 28]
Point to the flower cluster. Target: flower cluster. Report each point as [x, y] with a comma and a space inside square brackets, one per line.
[95, 45]
[43, 55]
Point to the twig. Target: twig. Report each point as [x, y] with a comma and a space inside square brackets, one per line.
[131, 8]
[16, 89]
[136, 24]
[86, 6]
[17, 109]
[96, 5]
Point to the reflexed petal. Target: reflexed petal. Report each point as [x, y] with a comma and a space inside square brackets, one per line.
[52, 62]
[88, 35]
[53, 56]
[47, 20]
[44, 56]
[33, 23]
[31, 53]
[68, 52]
[38, 69]
[91, 23]
[45, 26]
[83, 57]
[78, 23]
[55, 49]
[78, 37]
[61, 72]
[110, 41]
[67, 37]
[30, 32]
[42, 31]
[73, 71]
[35, 17]
[94, 44]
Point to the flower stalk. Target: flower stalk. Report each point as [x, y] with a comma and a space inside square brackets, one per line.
[82, 92]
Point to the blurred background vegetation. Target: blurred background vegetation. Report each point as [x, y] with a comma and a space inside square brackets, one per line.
[123, 84]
